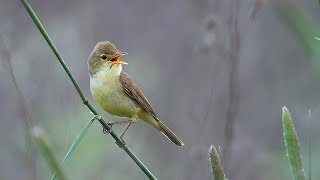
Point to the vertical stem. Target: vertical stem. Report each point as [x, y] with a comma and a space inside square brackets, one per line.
[233, 88]
[25, 118]
[309, 145]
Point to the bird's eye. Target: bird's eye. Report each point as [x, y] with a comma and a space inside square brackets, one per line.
[103, 57]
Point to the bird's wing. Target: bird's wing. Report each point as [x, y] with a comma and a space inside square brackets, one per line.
[132, 90]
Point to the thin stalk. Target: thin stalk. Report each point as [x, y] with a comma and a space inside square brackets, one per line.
[6, 56]
[309, 145]
[83, 98]
[39, 136]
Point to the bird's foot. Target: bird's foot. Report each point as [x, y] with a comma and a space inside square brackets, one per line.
[107, 131]
[121, 144]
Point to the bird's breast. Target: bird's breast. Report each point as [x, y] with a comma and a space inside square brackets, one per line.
[107, 92]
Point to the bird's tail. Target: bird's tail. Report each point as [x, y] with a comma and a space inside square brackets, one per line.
[169, 134]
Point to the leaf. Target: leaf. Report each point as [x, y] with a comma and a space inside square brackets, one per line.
[76, 142]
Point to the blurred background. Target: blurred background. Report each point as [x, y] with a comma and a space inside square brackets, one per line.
[216, 72]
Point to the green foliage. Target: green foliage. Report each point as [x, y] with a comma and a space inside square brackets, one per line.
[39, 137]
[216, 166]
[292, 146]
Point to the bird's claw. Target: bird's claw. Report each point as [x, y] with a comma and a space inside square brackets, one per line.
[107, 131]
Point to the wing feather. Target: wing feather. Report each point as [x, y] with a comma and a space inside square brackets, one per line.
[132, 90]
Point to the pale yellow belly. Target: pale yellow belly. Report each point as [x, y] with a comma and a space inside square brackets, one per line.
[111, 97]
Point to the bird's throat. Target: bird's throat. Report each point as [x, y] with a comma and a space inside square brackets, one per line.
[115, 69]
[106, 70]
[106, 79]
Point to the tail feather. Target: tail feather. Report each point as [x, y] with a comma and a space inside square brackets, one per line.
[169, 134]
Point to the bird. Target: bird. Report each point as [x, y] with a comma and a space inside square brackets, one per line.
[116, 92]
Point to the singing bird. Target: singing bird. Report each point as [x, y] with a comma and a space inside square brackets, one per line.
[116, 92]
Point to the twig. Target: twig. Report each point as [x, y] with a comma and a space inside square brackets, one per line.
[83, 98]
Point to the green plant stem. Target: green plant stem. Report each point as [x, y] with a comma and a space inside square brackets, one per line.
[309, 145]
[39, 136]
[83, 98]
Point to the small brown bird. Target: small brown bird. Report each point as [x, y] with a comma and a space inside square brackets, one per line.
[116, 93]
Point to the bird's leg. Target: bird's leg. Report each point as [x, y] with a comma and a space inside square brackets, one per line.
[121, 135]
[119, 122]
[110, 124]
[125, 130]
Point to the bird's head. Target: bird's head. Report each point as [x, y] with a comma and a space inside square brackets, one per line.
[105, 57]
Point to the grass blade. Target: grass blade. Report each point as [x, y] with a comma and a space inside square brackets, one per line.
[292, 146]
[75, 143]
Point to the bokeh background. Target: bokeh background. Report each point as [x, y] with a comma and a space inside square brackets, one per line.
[216, 72]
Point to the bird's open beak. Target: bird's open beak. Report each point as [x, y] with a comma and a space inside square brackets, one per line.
[116, 58]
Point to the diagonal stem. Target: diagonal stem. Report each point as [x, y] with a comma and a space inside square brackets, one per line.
[76, 85]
